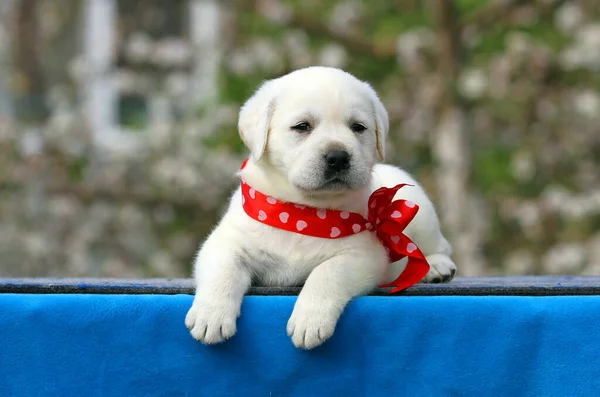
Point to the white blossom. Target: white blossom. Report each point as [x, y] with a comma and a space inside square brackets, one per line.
[345, 14]
[275, 10]
[523, 166]
[587, 104]
[266, 55]
[568, 17]
[240, 62]
[32, 142]
[409, 45]
[520, 262]
[162, 263]
[296, 42]
[564, 258]
[139, 47]
[171, 52]
[333, 55]
[473, 83]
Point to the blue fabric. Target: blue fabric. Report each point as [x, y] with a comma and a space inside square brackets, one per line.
[137, 345]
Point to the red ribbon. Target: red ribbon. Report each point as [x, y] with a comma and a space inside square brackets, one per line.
[387, 218]
[383, 214]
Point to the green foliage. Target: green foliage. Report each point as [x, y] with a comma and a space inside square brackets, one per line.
[77, 167]
[492, 171]
[509, 115]
[252, 25]
[226, 138]
[133, 113]
[392, 23]
[381, 24]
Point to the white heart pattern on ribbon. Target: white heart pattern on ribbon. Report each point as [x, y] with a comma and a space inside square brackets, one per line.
[284, 216]
[301, 225]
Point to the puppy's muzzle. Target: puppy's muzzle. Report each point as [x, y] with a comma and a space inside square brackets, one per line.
[337, 161]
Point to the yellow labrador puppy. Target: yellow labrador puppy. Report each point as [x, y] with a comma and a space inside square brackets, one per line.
[315, 137]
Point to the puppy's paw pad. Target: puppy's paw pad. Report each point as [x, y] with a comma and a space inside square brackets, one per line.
[211, 324]
[442, 269]
[310, 328]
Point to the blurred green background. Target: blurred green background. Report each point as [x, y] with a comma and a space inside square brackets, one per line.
[118, 140]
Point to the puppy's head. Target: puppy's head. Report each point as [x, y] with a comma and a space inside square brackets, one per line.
[320, 127]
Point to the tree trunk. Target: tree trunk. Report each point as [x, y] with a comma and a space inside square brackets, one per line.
[451, 147]
[30, 83]
[98, 86]
[7, 9]
[205, 35]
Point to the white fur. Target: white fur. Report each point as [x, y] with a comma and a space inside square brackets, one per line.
[288, 165]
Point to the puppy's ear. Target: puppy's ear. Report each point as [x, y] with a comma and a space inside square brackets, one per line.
[382, 122]
[255, 119]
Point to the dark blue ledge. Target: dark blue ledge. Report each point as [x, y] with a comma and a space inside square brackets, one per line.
[531, 336]
[470, 286]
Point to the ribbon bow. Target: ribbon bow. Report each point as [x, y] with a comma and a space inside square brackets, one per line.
[387, 218]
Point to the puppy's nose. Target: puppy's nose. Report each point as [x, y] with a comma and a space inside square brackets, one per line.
[337, 160]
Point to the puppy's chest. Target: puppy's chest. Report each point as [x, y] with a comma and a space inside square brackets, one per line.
[281, 263]
[281, 258]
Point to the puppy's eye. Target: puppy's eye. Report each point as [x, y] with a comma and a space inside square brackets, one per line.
[302, 127]
[357, 127]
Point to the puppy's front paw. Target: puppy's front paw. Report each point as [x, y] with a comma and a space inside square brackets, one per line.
[211, 323]
[311, 326]
[442, 269]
